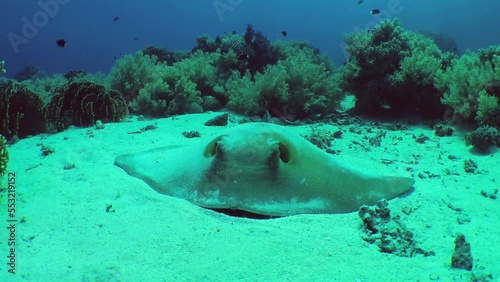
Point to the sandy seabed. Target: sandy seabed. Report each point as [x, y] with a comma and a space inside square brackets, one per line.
[94, 222]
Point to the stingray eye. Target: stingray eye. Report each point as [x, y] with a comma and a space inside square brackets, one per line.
[213, 148]
[284, 153]
[281, 153]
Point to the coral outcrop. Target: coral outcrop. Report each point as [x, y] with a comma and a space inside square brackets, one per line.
[388, 232]
[471, 87]
[21, 110]
[82, 103]
[392, 71]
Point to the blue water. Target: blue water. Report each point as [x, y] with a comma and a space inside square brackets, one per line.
[94, 39]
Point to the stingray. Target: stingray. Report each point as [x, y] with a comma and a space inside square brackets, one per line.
[260, 168]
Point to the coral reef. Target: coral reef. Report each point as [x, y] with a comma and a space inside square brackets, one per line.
[157, 89]
[301, 84]
[178, 88]
[201, 69]
[186, 99]
[392, 71]
[82, 103]
[252, 49]
[261, 51]
[21, 110]
[163, 55]
[131, 73]
[471, 87]
[152, 99]
[205, 43]
[246, 93]
[245, 72]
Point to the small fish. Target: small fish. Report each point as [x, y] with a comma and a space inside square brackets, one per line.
[284, 33]
[243, 57]
[61, 43]
[360, 2]
[375, 11]
[136, 38]
[116, 19]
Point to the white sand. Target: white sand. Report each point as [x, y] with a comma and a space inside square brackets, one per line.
[69, 236]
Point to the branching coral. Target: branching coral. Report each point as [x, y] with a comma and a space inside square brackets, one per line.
[301, 85]
[488, 108]
[187, 99]
[132, 73]
[263, 52]
[471, 87]
[163, 55]
[237, 44]
[200, 68]
[392, 71]
[205, 43]
[245, 71]
[264, 92]
[252, 47]
[313, 86]
[419, 65]
[179, 88]
[152, 99]
[227, 62]
[244, 96]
